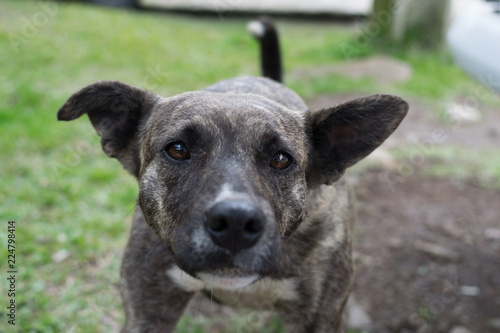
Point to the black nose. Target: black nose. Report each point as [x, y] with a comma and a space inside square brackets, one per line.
[235, 225]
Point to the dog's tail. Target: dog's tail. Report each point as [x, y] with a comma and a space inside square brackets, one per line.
[266, 34]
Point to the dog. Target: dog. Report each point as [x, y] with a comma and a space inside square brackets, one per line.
[241, 194]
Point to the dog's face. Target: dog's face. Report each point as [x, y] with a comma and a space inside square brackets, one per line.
[223, 178]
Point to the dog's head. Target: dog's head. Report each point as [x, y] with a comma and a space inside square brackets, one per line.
[223, 177]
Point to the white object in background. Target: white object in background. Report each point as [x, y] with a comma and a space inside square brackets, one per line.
[473, 38]
[353, 7]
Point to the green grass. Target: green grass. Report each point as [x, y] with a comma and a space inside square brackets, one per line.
[478, 165]
[65, 194]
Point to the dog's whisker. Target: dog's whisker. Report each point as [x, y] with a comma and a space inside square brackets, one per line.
[131, 210]
[159, 247]
[199, 306]
[309, 244]
[293, 261]
[238, 294]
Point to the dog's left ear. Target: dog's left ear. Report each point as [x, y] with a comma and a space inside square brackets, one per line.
[344, 134]
[116, 111]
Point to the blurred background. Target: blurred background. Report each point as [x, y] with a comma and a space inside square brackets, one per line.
[427, 236]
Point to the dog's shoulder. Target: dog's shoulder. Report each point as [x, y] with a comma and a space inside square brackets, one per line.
[270, 89]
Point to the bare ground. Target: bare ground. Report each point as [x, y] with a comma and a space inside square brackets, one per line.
[423, 263]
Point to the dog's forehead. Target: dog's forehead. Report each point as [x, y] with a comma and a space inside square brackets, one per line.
[208, 108]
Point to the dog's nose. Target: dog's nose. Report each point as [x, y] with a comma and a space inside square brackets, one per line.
[235, 225]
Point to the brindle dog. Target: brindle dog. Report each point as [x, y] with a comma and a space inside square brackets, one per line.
[241, 185]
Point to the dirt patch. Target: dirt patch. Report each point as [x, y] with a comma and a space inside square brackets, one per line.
[405, 288]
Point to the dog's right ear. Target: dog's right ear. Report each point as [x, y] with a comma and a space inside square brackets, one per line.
[116, 111]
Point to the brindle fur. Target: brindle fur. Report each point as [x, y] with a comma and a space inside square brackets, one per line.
[233, 129]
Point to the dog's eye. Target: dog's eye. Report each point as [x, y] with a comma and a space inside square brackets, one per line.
[178, 151]
[281, 161]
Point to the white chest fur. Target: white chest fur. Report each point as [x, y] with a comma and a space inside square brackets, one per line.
[263, 293]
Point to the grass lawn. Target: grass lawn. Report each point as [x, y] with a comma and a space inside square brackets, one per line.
[73, 205]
